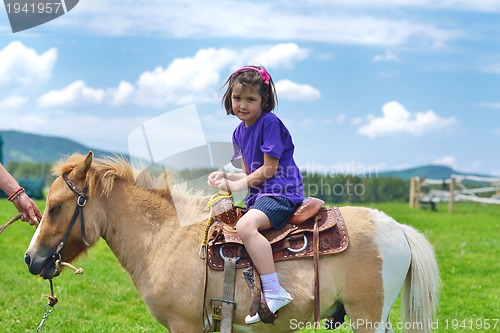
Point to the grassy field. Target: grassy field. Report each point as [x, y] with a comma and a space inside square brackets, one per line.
[104, 300]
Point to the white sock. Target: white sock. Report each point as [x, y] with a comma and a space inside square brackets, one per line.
[270, 284]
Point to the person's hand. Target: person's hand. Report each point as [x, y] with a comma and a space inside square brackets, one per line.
[231, 185]
[214, 178]
[28, 209]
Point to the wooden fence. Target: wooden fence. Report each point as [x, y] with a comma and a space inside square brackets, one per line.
[456, 188]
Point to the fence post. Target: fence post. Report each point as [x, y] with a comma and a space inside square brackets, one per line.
[418, 189]
[412, 192]
[452, 195]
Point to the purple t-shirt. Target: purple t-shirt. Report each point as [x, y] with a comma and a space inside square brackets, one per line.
[270, 136]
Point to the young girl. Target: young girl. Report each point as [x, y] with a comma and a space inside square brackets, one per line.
[265, 148]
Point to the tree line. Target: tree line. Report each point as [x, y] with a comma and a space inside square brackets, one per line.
[344, 189]
[31, 170]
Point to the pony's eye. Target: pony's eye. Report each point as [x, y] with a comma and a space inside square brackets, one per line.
[54, 210]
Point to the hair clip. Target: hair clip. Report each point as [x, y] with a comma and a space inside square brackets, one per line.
[266, 78]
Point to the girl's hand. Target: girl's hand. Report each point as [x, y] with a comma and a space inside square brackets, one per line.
[231, 185]
[215, 177]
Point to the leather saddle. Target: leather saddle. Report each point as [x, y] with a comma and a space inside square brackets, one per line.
[295, 240]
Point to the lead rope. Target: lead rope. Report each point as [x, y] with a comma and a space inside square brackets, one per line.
[52, 299]
[203, 253]
[49, 307]
[12, 220]
[221, 195]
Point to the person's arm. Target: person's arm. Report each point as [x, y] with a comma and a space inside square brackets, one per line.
[7, 183]
[27, 207]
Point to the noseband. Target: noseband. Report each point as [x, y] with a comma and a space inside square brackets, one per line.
[80, 203]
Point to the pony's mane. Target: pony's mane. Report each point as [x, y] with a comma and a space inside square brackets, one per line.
[105, 171]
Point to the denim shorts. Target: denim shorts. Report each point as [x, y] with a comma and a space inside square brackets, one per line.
[278, 209]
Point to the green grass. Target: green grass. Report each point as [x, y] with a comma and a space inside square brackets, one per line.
[468, 249]
[104, 299]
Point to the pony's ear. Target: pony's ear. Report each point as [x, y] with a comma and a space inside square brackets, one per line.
[81, 169]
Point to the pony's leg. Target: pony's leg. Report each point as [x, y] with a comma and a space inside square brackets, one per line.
[396, 258]
[394, 253]
[363, 295]
[181, 325]
[365, 309]
[379, 261]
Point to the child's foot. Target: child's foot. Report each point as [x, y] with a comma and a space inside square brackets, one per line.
[274, 302]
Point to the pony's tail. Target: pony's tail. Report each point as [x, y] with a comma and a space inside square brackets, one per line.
[421, 287]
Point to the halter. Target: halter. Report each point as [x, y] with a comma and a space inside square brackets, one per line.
[80, 203]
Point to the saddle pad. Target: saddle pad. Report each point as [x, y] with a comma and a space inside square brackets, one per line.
[290, 242]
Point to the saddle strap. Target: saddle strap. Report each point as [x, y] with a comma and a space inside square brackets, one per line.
[226, 324]
[259, 305]
[317, 310]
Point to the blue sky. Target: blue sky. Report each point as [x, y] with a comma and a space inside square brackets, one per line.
[362, 84]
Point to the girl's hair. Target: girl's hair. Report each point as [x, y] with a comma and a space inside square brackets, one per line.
[257, 77]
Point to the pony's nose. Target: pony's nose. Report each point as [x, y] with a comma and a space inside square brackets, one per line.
[27, 259]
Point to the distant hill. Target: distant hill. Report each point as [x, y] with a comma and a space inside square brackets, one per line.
[28, 147]
[428, 171]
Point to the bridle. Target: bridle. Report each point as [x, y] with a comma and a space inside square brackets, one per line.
[80, 203]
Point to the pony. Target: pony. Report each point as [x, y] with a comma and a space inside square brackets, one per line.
[160, 253]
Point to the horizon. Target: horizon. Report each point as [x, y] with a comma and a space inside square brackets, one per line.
[352, 169]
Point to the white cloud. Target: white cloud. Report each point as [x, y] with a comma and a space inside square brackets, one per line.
[490, 105]
[75, 94]
[12, 102]
[492, 6]
[280, 55]
[397, 120]
[186, 80]
[446, 160]
[122, 94]
[292, 91]
[336, 22]
[23, 66]
[197, 79]
[387, 56]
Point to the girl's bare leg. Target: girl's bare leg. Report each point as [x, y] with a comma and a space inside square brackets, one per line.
[260, 251]
[257, 246]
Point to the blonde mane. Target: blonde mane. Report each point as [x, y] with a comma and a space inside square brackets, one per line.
[105, 171]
